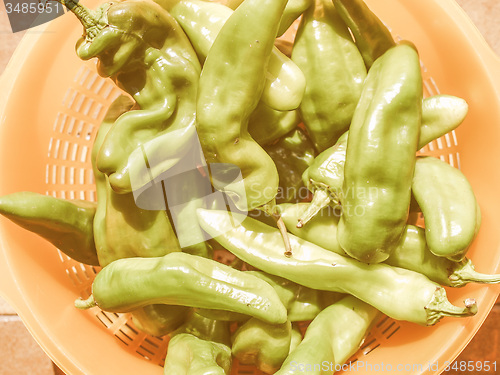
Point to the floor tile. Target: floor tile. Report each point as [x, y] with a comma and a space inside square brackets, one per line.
[19, 352]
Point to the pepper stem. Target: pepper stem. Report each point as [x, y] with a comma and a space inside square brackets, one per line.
[440, 307]
[92, 21]
[321, 199]
[465, 273]
[85, 16]
[84, 304]
[273, 210]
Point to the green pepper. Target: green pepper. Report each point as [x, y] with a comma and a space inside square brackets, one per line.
[202, 21]
[380, 157]
[135, 42]
[302, 303]
[262, 344]
[292, 155]
[199, 346]
[121, 228]
[451, 213]
[67, 224]
[396, 292]
[334, 72]
[190, 355]
[372, 37]
[159, 320]
[231, 83]
[266, 125]
[292, 11]
[205, 328]
[182, 279]
[412, 252]
[296, 337]
[440, 114]
[332, 337]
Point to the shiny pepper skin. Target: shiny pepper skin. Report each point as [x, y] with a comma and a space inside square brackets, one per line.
[398, 293]
[146, 54]
[381, 155]
[372, 37]
[231, 83]
[334, 71]
[451, 213]
[202, 21]
[332, 337]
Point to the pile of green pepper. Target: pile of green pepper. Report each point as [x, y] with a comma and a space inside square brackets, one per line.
[304, 166]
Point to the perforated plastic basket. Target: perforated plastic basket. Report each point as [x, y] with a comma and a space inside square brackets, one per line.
[51, 105]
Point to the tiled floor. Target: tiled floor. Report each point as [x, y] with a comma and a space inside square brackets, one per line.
[21, 355]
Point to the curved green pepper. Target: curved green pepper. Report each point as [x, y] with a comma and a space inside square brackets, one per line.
[396, 292]
[380, 158]
[451, 213]
[146, 53]
[186, 280]
[440, 114]
[67, 224]
[332, 337]
[372, 37]
[121, 228]
[231, 82]
[262, 344]
[334, 72]
[412, 252]
[202, 21]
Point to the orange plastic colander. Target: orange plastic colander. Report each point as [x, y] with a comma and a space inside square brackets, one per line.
[50, 107]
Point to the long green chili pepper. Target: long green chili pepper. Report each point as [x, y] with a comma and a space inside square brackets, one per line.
[396, 292]
[186, 280]
[67, 224]
[334, 71]
[262, 344]
[451, 213]
[372, 37]
[440, 115]
[231, 82]
[412, 253]
[202, 21]
[331, 338]
[380, 157]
